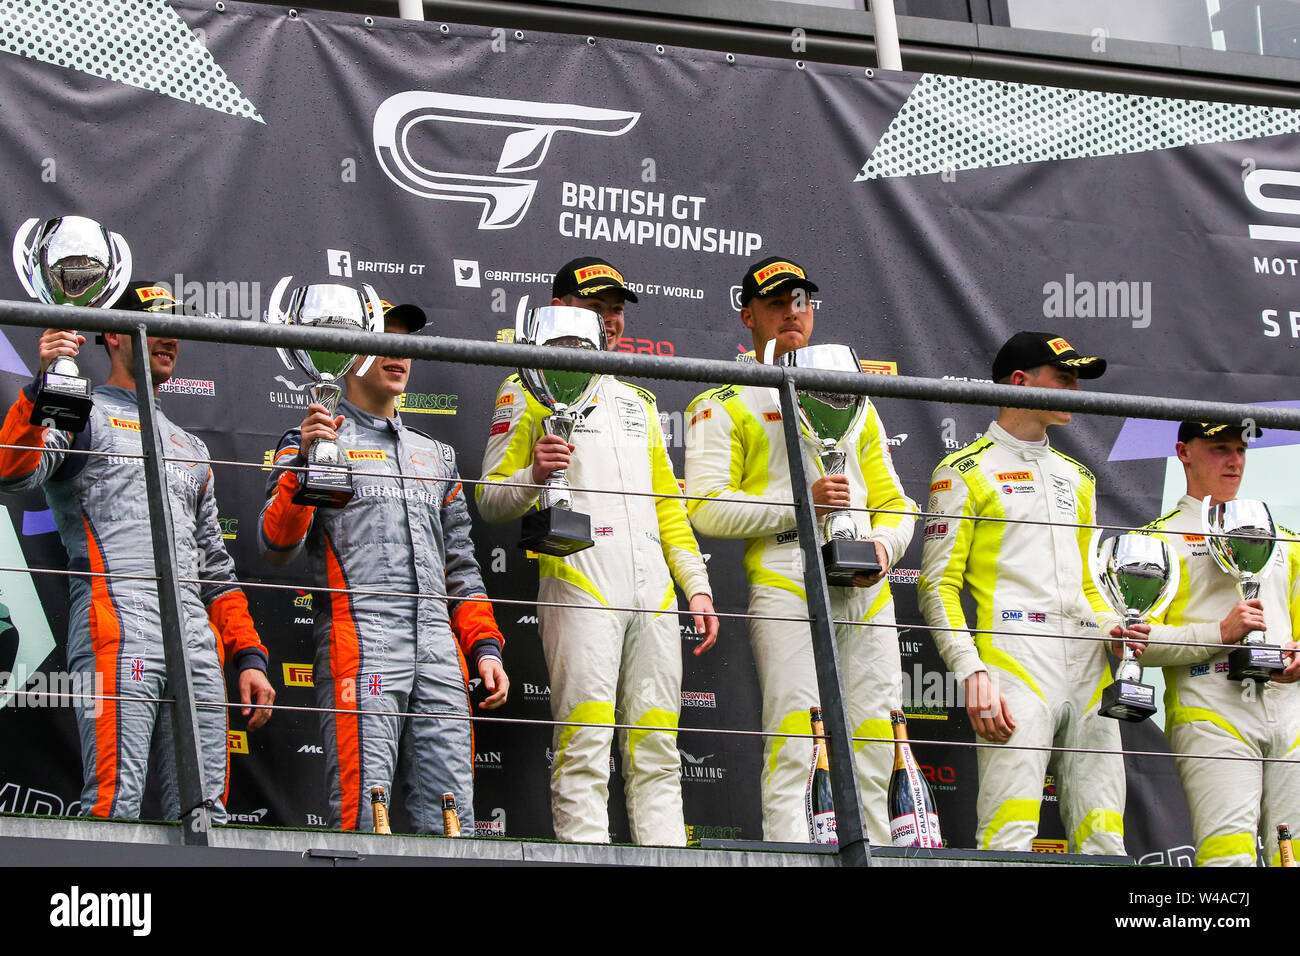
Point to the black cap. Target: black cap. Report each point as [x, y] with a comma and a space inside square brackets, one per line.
[148, 297]
[145, 297]
[588, 276]
[412, 315]
[767, 275]
[1189, 430]
[1026, 350]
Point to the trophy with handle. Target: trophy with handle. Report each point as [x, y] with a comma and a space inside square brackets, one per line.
[327, 482]
[556, 528]
[69, 260]
[1137, 575]
[831, 419]
[1242, 539]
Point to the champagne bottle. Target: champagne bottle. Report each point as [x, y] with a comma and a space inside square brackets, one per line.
[379, 807]
[912, 817]
[820, 803]
[1284, 846]
[450, 821]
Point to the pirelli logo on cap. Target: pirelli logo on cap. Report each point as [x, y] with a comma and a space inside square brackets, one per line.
[297, 675]
[871, 367]
[507, 399]
[148, 293]
[128, 424]
[237, 741]
[1059, 345]
[587, 273]
[702, 416]
[1015, 476]
[776, 269]
[367, 454]
[771, 416]
[941, 485]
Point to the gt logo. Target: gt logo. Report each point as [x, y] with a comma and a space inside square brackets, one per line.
[531, 125]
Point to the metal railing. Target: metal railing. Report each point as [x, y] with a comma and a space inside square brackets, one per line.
[853, 847]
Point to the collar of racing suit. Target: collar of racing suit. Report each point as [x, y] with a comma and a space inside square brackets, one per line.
[123, 394]
[366, 420]
[1025, 449]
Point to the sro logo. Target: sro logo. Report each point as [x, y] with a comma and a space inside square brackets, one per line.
[645, 347]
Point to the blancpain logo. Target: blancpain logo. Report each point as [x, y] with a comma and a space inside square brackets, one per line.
[529, 125]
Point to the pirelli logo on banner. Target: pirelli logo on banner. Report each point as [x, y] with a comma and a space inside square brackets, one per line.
[297, 675]
[941, 485]
[872, 367]
[1015, 476]
[1049, 846]
[771, 416]
[237, 741]
[1059, 345]
[367, 454]
[597, 272]
[126, 423]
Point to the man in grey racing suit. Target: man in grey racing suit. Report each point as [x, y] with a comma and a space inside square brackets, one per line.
[101, 509]
[379, 648]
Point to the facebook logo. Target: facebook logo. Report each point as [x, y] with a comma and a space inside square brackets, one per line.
[340, 262]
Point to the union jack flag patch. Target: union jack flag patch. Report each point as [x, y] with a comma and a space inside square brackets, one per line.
[376, 684]
[137, 669]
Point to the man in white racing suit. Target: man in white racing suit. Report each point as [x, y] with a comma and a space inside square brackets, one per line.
[1025, 685]
[1207, 715]
[735, 449]
[616, 665]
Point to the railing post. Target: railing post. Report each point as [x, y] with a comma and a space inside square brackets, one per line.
[855, 850]
[196, 818]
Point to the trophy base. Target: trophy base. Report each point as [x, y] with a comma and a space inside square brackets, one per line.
[556, 531]
[1128, 700]
[62, 401]
[844, 558]
[324, 487]
[1257, 662]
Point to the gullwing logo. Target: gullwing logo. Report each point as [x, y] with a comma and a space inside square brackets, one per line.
[505, 199]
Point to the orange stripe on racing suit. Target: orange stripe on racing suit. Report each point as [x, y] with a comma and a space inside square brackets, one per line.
[345, 666]
[106, 639]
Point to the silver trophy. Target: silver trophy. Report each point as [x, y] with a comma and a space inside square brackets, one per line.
[1137, 575]
[69, 260]
[327, 482]
[556, 528]
[1242, 539]
[831, 419]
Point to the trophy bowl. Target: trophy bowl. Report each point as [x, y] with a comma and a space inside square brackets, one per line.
[555, 528]
[1137, 575]
[69, 260]
[327, 481]
[1242, 538]
[831, 419]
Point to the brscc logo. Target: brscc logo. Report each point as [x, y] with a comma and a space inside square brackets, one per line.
[529, 125]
